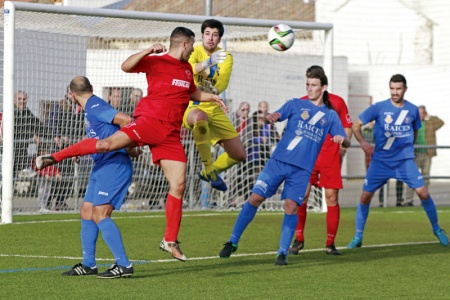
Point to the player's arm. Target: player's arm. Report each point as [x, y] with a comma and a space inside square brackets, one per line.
[131, 62]
[357, 131]
[273, 117]
[223, 77]
[201, 96]
[216, 58]
[121, 119]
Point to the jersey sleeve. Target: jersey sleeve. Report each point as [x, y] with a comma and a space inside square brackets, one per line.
[143, 66]
[417, 123]
[101, 110]
[342, 111]
[223, 74]
[369, 114]
[285, 110]
[195, 59]
[336, 127]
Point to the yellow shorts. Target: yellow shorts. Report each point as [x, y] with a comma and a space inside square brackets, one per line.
[220, 126]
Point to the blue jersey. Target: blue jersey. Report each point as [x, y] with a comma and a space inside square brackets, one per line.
[306, 130]
[394, 129]
[98, 118]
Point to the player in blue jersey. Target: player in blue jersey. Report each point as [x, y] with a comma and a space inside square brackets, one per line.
[396, 124]
[309, 122]
[107, 187]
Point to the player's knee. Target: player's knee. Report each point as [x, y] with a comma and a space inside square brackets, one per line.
[177, 189]
[104, 146]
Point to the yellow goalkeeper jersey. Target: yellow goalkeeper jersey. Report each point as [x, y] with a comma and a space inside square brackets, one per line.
[218, 75]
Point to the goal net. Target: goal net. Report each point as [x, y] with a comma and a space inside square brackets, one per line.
[46, 46]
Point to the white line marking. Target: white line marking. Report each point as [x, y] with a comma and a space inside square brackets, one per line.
[216, 257]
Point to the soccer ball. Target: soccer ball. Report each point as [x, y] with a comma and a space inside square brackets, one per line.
[281, 37]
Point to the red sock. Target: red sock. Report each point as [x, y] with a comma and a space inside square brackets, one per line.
[173, 218]
[84, 147]
[301, 214]
[333, 216]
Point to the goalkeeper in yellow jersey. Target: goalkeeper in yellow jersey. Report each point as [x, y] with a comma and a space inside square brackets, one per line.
[212, 70]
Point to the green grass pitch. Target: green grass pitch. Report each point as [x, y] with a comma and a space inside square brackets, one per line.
[400, 259]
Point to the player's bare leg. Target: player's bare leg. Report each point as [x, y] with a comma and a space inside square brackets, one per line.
[175, 173]
[234, 154]
[116, 141]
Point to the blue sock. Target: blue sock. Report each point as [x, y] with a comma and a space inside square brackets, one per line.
[430, 209]
[287, 232]
[246, 215]
[113, 238]
[362, 212]
[88, 234]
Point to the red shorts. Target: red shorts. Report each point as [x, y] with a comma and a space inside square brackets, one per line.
[162, 137]
[327, 176]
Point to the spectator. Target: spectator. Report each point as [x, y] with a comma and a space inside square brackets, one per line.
[274, 136]
[244, 126]
[27, 128]
[48, 182]
[66, 122]
[129, 104]
[425, 136]
[260, 149]
[115, 98]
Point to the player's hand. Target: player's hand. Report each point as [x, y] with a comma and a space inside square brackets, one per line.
[134, 151]
[157, 48]
[367, 148]
[340, 140]
[219, 101]
[215, 58]
[273, 117]
[208, 87]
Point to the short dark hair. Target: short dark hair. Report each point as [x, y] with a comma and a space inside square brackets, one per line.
[212, 23]
[180, 34]
[398, 78]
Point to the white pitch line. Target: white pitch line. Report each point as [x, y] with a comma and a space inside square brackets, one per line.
[213, 257]
[262, 213]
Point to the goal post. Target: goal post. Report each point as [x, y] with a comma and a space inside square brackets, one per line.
[45, 46]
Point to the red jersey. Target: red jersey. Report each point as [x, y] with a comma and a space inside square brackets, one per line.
[331, 151]
[170, 83]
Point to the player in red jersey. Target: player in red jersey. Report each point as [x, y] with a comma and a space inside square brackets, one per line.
[157, 122]
[326, 174]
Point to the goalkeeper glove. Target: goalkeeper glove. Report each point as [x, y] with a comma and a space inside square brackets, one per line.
[215, 58]
[207, 87]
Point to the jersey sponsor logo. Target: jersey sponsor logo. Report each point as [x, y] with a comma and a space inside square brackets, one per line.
[398, 130]
[137, 134]
[304, 115]
[349, 119]
[91, 133]
[188, 74]
[181, 83]
[102, 193]
[261, 185]
[308, 129]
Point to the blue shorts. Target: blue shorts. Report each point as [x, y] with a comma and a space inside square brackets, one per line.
[109, 183]
[272, 176]
[380, 171]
